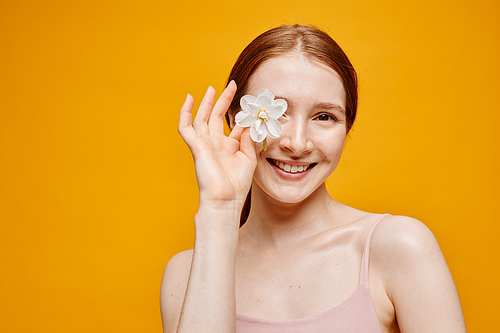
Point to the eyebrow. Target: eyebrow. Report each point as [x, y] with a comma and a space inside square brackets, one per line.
[321, 105]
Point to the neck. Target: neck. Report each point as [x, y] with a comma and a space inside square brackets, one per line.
[278, 223]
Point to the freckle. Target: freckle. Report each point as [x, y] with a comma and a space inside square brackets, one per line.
[290, 286]
[299, 286]
[335, 264]
[258, 301]
[171, 294]
[432, 252]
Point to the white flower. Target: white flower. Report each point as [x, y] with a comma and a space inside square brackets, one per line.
[261, 113]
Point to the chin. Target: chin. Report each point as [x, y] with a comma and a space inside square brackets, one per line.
[285, 194]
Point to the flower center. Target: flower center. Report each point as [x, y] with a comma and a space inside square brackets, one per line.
[262, 115]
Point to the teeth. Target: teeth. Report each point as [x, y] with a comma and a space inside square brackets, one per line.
[290, 168]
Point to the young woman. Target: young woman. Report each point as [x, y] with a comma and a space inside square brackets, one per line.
[301, 261]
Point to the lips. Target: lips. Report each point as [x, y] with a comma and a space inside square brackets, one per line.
[291, 168]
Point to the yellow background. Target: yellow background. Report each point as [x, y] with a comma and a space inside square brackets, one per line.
[97, 190]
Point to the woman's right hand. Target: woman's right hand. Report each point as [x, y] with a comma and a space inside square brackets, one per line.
[224, 165]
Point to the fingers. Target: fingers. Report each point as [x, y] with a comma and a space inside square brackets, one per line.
[242, 134]
[216, 122]
[207, 120]
[200, 123]
[185, 129]
[247, 146]
[236, 132]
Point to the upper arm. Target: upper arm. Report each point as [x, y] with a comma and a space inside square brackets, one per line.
[416, 277]
[173, 289]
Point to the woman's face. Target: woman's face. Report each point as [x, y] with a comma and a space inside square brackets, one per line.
[313, 127]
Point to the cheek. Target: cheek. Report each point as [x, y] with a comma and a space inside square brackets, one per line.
[331, 145]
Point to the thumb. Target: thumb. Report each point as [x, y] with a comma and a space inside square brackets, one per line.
[236, 133]
[247, 146]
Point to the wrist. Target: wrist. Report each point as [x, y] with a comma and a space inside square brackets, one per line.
[219, 199]
[217, 206]
[218, 217]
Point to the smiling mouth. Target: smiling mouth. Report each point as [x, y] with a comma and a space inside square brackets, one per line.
[291, 168]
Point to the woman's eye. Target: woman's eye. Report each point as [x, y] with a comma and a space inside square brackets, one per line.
[326, 117]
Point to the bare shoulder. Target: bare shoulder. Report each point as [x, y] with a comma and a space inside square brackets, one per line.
[406, 257]
[176, 273]
[402, 245]
[402, 235]
[173, 288]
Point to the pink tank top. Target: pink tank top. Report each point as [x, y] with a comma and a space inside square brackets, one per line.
[354, 315]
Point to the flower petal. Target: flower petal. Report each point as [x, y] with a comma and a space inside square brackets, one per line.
[252, 105]
[256, 136]
[275, 111]
[254, 109]
[247, 99]
[244, 119]
[257, 125]
[273, 128]
[281, 102]
[266, 92]
[264, 100]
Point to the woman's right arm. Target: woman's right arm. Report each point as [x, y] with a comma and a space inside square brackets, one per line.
[224, 170]
[197, 292]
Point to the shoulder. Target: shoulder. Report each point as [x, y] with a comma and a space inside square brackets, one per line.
[181, 260]
[402, 235]
[173, 287]
[176, 273]
[402, 244]
[406, 259]
[405, 255]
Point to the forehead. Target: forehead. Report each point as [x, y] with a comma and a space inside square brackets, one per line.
[299, 80]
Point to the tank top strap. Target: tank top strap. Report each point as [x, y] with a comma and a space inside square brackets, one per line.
[363, 275]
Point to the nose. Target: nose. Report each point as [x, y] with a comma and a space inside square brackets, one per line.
[296, 137]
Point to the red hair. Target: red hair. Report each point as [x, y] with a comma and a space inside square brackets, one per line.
[308, 41]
